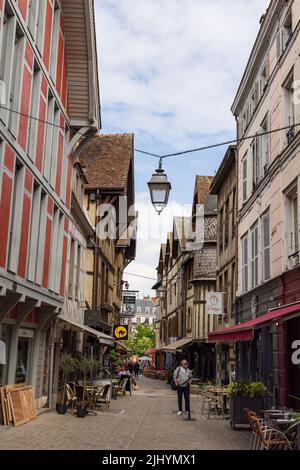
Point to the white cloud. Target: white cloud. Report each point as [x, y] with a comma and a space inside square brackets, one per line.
[169, 70]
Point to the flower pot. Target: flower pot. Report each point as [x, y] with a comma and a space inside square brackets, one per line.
[81, 412]
[238, 404]
[61, 408]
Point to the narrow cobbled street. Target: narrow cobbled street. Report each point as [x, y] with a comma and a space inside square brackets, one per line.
[146, 420]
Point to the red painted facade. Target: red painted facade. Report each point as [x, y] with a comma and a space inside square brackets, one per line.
[59, 199]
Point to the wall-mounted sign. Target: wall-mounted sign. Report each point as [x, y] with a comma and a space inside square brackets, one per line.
[121, 332]
[214, 303]
[129, 304]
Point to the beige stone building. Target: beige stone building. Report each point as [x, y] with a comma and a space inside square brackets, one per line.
[267, 111]
[224, 187]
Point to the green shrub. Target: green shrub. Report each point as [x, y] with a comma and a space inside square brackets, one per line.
[247, 389]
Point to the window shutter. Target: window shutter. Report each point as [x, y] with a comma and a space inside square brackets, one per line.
[266, 246]
[245, 263]
[279, 44]
[244, 180]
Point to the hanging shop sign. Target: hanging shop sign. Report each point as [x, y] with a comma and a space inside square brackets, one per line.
[214, 303]
[129, 304]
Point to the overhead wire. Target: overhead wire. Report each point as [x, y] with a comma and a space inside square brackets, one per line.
[151, 154]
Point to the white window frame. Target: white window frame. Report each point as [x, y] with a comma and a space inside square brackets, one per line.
[245, 178]
[254, 256]
[266, 245]
[245, 262]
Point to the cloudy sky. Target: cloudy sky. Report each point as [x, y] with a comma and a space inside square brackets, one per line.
[169, 71]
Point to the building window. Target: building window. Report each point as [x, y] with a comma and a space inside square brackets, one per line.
[221, 229]
[49, 137]
[34, 232]
[226, 234]
[33, 7]
[263, 81]
[71, 269]
[289, 107]
[78, 270]
[189, 320]
[15, 89]
[41, 240]
[225, 297]
[292, 225]
[266, 234]
[6, 58]
[245, 179]
[254, 256]
[284, 35]
[264, 129]
[40, 26]
[16, 217]
[34, 112]
[256, 161]
[55, 36]
[245, 273]
[233, 221]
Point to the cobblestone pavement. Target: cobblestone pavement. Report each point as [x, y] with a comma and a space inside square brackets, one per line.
[147, 420]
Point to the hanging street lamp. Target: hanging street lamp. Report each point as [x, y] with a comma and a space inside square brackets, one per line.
[161, 292]
[160, 188]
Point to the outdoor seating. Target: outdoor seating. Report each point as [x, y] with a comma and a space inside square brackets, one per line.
[120, 388]
[71, 396]
[264, 436]
[102, 399]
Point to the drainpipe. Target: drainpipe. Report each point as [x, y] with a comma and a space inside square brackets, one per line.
[51, 362]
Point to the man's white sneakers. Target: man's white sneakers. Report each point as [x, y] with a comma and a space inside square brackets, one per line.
[179, 413]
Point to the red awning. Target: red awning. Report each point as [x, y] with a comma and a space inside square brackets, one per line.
[152, 351]
[245, 331]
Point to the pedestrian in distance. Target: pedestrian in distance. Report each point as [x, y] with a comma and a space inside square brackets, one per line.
[182, 378]
[136, 369]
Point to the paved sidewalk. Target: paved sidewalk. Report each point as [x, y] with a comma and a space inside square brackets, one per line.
[146, 420]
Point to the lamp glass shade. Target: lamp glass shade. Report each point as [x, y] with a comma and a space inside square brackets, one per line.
[161, 292]
[160, 188]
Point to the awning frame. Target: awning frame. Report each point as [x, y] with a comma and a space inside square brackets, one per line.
[102, 337]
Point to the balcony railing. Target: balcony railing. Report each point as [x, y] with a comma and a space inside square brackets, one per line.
[290, 135]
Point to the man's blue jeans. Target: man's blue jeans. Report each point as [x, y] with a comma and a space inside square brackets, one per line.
[185, 391]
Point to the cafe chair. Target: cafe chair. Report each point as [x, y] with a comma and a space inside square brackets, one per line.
[103, 398]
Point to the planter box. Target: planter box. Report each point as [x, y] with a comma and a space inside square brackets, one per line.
[238, 405]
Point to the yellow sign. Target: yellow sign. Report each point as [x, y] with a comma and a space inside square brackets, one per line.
[121, 332]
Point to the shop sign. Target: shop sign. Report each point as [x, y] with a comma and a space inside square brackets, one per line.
[214, 303]
[296, 353]
[121, 332]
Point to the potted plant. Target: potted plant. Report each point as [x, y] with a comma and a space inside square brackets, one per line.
[85, 365]
[67, 364]
[246, 395]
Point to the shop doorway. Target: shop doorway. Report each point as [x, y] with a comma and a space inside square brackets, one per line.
[24, 357]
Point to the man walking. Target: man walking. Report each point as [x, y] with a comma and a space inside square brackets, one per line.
[136, 369]
[182, 378]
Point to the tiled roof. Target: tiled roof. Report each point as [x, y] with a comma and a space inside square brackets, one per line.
[182, 229]
[107, 159]
[202, 187]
